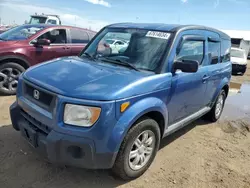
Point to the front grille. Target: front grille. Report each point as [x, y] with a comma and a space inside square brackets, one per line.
[239, 65]
[37, 125]
[38, 96]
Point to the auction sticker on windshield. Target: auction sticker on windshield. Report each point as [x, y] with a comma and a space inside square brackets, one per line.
[157, 34]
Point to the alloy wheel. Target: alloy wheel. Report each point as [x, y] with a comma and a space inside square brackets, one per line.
[142, 150]
[219, 105]
[9, 78]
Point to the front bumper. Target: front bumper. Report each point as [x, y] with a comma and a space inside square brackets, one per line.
[239, 68]
[58, 147]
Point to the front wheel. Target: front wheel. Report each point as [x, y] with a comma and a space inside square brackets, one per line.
[243, 72]
[138, 149]
[9, 73]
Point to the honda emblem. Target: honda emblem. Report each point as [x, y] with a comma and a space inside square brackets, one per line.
[36, 94]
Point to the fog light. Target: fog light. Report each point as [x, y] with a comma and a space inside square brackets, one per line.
[75, 151]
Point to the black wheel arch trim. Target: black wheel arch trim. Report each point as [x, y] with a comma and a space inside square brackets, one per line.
[222, 88]
[15, 57]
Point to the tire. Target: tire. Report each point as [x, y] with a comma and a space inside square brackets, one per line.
[122, 167]
[212, 115]
[9, 73]
[243, 72]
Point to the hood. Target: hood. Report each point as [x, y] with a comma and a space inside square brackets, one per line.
[9, 44]
[237, 60]
[85, 79]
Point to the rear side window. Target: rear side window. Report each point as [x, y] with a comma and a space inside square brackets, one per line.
[51, 22]
[225, 50]
[191, 50]
[213, 52]
[79, 36]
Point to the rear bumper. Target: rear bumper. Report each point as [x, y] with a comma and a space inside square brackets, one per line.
[61, 148]
[239, 68]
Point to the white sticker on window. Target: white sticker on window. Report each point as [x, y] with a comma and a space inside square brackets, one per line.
[157, 34]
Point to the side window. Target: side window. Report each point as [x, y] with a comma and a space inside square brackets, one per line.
[51, 21]
[191, 50]
[225, 50]
[56, 36]
[213, 52]
[79, 36]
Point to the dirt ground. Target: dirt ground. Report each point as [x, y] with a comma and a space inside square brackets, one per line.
[200, 155]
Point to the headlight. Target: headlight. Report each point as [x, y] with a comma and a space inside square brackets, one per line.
[83, 116]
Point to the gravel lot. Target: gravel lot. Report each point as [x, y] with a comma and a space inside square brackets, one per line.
[200, 155]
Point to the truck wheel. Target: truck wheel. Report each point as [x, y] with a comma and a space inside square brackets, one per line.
[9, 73]
[138, 149]
[243, 72]
[217, 109]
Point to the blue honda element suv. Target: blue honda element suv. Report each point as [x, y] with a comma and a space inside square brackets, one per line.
[110, 107]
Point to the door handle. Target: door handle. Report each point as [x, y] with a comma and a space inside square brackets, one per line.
[204, 79]
[66, 48]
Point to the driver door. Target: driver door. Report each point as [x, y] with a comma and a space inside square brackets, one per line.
[188, 89]
[57, 48]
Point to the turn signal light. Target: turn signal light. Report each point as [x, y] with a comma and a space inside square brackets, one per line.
[124, 106]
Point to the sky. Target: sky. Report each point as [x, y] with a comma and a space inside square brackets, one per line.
[95, 14]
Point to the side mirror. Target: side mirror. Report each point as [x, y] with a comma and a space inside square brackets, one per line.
[186, 66]
[42, 42]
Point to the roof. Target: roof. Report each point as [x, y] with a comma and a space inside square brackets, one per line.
[44, 15]
[239, 49]
[238, 34]
[149, 26]
[168, 27]
[52, 25]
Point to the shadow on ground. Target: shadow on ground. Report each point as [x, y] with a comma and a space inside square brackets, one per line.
[181, 132]
[21, 166]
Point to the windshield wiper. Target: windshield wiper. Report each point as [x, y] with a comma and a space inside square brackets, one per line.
[119, 62]
[86, 54]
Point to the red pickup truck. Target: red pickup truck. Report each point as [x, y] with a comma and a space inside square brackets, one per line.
[27, 45]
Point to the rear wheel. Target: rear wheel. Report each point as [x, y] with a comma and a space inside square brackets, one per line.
[138, 149]
[217, 109]
[9, 73]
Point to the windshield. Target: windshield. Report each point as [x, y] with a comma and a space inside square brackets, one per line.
[20, 33]
[37, 20]
[143, 50]
[237, 53]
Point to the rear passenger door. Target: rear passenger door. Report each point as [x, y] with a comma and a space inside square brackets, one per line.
[214, 65]
[78, 40]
